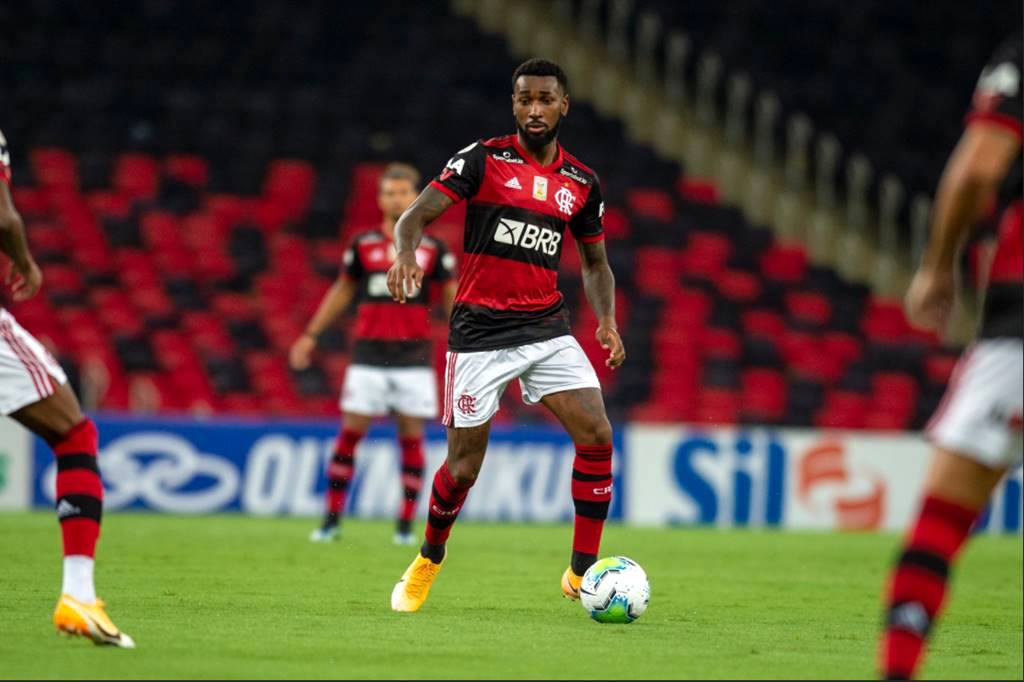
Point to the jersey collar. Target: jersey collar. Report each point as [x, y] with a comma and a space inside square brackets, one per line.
[532, 161]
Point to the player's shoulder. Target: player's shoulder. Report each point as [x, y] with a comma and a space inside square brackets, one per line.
[576, 170]
[501, 142]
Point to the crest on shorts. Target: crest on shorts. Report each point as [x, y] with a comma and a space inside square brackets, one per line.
[466, 404]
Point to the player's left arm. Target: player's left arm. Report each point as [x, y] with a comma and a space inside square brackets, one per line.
[970, 182]
[599, 285]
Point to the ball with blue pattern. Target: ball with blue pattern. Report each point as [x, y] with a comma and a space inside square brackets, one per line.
[615, 590]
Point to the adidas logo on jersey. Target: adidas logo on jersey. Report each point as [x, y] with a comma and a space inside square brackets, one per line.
[66, 509]
[513, 184]
[527, 236]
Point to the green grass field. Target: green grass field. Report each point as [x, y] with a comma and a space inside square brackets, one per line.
[234, 597]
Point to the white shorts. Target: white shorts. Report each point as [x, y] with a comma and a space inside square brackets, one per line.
[980, 414]
[379, 391]
[28, 373]
[475, 381]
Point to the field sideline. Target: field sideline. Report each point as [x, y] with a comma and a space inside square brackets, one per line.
[236, 597]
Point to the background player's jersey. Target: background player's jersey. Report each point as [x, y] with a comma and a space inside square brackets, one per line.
[998, 100]
[515, 223]
[386, 332]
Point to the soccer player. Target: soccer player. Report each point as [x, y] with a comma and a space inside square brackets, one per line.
[510, 320]
[34, 392]
[391, 368]
[972, 430]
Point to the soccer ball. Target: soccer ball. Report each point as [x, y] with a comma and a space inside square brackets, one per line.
[615, 590]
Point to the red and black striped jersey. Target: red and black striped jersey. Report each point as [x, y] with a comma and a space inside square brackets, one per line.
[999, 100]
[5, 159]
[516, 215]
[386, 332]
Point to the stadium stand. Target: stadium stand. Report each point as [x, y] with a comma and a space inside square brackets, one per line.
[180, 262]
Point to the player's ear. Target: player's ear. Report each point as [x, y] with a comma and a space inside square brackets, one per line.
[565, 104]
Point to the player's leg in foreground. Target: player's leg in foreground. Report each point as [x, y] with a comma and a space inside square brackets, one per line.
[582, 413]
[59, 421]
[452, 481]
[340, 471]
[410, 441]
[976, 444]
[956, 491]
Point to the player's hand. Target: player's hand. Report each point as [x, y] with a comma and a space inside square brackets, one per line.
[24, 282]
[930, 299]
[610, 340]
[405, 277]
[301, 351]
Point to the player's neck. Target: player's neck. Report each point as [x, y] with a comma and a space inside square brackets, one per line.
[388, 228]
[545, 156]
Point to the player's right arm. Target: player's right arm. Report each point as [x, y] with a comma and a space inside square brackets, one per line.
[24, 277]
[334, 303]
[970, 182]
[459, 180]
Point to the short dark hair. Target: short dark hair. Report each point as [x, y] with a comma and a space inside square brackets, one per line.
[541, 67]
[401, 171]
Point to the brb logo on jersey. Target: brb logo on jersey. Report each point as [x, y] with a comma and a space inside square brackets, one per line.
[527, 236]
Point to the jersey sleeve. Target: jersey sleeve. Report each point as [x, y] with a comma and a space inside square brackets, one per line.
[5, 159]
[351, 265]
[586, 225]
[461, 176]
[444, 267]
[997, 97]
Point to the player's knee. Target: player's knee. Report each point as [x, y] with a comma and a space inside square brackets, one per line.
[596, 432]
[464, 470]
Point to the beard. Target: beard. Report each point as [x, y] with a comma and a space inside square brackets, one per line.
[537, 141]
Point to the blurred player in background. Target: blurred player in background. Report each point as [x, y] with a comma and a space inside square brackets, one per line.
[392, 369]
[510, 320]
[34, 391]
[973, 429]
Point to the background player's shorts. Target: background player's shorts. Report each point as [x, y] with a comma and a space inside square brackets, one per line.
[379, 391]
[475, 381]
[980, 415]
[28, 373]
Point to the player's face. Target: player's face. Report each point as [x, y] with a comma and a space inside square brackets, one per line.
[538, 105]
[395, 196]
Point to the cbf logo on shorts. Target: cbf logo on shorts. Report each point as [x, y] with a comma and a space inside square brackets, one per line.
[527, 236]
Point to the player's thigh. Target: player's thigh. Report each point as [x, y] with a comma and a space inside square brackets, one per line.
[581, 411]
[355, 421]
[365, 391]
[53, 416]
[474, 383]
[412, 392]
[979, 416]
[33, 386]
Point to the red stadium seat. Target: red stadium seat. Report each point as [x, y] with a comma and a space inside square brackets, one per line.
[809, 308]
[651, 203]
[939, 368]
[189, 169]
[787, 264]
[54, 167]
[763, 322]
[700, 190]
[739, 287]
[137, 176]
